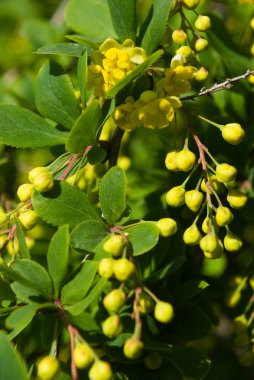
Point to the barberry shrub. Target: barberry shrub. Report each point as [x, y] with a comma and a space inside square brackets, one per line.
[127, 251]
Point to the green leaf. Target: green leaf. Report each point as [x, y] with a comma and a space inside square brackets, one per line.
[54, 95]
[157, 25]
[20, 318]
[96, 155]
[64, 205]
[84, 322]
[11, 366]
[62, 48]
[192, 323]
[58, 257]
[24, 252]
[190, 289]
[79, 307]
[191, 361]
[138, 71]
[25, 293]
[22, 128]
[87, 41]
[143, 236]
[112, 194]
[85, 129]
[90, 17]
[5, 291]
[78, 287]
[88, 235]
[123, 15]
[35, 275]
[82, 76]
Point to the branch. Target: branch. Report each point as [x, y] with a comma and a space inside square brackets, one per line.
[226, 85]
[114, 147]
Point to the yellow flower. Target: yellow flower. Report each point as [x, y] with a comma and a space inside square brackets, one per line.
[111, 63]
[122, 115]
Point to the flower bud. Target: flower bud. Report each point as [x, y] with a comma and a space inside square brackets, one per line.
[185, 160]
[252, 23]
[170, 161]
[184, 50]
[100, 370]
[13, 246]
[163, 312]
[133, 348]
[223, 216]
[191, 4]
[114, 300]
[179, 36]
[3, 216]
[252, 49]
[114, 245]
[213, 182]
[193, 199]
[233, 133]
[236, 198]
[225, 173]
[209, 243]
[106, 267]
[202, 23]
[123, 269]
[167, 227]
[35, 172]
[43, 182]
[201, 44]
[192, 235]
[112, 326]
[83, 356]
[216, 253]
[145, 304]
[47, 368]
[201, 74]
[153, 360]
[28, 219]
[175, 196]
[232, 243]
[25, 191]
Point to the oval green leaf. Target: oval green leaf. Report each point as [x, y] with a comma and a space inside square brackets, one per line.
[88, 235]
[142, 236]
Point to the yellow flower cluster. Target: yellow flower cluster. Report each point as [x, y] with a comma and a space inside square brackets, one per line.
[152, 110]
[111, 63]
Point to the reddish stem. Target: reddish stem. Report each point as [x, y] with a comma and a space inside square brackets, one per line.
[72, 332]
[136, 314]
[69, 167]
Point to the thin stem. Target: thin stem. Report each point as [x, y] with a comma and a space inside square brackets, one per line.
[114, 147]
[69, 167]
[72, 332]
[151, 294]
[226, 85]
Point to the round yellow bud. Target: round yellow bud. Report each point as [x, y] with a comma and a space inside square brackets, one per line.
[112, 326]
[28, 219]
[201, 74]
[35, 172]
[209, 243]
[175, 197]
[191, 4]
[123, 269]
[194, 199]
[205, 225]
[217, 186]
[223, 216]
[252, 49]
[170, 161]
[83, 356]
[153, 360]
[185, 160]
[233, 133]
[47, 368]
[43, 182]
[114, 245]
[114, 300]
[179, 36]
[106, 267]
[184, 50]
[167, 227]
[100, 370]
[217, 253]
[25, 191]
[252, 23]
[163, 312]
[225, 173]
[232, 243]
[192, 235]
[145, 304]
[13, 246]
[202, 23]
[133, 348]
[124, 162]
[236, 198]
[201, 44]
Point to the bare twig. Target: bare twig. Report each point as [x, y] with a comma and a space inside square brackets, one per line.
[226, 85]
